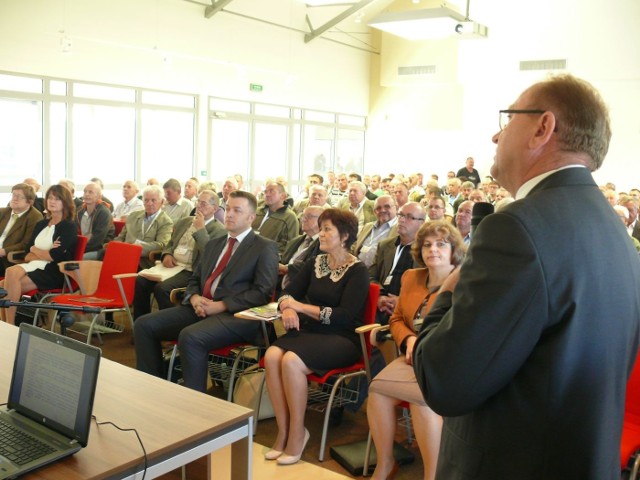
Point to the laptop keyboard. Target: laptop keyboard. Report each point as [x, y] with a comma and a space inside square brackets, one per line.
[20, 447]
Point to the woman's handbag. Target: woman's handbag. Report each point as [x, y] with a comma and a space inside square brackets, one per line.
[246, 391]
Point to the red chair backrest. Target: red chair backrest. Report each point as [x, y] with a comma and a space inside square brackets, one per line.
[81, 245]
[119, 225]
[119, 258]
[370, 310]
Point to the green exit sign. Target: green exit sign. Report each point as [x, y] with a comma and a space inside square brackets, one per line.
[254, 87]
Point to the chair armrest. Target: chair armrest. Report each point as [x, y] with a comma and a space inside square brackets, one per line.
[367, 328]
[16, 256]
[176, 295]
[84, 272]
[125, 275]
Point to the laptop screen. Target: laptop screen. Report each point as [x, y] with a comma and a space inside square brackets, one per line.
[54, 381]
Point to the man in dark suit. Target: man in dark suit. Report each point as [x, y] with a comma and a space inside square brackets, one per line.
[17, 222]
[393, 257]
[205, 321]
[301, 248]
[529, 364]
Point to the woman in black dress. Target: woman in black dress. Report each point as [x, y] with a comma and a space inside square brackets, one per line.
[320, 311]
[54, 240]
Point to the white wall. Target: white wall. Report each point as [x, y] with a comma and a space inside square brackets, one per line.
[125, 42]
[434, 127]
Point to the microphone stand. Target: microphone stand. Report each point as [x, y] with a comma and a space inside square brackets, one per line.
[66, 319]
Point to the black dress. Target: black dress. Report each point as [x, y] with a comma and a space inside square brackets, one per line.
[341, 294]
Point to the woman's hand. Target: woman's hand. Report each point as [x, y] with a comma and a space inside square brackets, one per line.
[410, 342]
[290, 319]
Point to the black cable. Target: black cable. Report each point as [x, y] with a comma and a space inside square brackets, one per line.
[144, 472]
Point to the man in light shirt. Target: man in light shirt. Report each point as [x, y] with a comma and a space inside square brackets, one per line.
[374, 232]
[131, 201]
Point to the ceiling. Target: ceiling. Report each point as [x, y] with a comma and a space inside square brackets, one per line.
[340, 21]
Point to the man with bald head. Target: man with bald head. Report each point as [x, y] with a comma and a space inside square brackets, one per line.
[463, 220]
[131, 201]
[95, 221]
[276, 220]
[527, 349]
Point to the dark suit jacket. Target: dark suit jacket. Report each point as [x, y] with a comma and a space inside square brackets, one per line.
[636, 231]
[292, 247]
[530, 364]
[249, 279]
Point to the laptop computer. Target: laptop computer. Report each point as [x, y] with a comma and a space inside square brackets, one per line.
[50, 400]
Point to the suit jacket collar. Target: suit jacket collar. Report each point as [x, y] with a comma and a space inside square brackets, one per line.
[531, 185]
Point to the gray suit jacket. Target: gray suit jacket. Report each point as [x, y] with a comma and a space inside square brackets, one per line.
[530, 363]
[211, 230]
[249, 279]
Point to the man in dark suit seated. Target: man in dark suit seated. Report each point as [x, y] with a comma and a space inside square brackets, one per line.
[237, 271]
[527, 349]
[301, 248]
[38, 203]
[17, 222]
[188, 240]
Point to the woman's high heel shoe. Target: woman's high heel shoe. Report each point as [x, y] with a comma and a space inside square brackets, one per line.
[291, 459]
[272, 454]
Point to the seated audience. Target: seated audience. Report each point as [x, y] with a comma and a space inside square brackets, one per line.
[236, 271]
[301, 248]
[229, 185]
[401, 192]
[175, 206]
[191, 190]
[394, 257]
[373, 233]
[65, 182]
[17, 222]
[358, 204]
[465, 190]
[131, 201]
[94, 221]
[438, 246]
[151, 228]
[623, 213]
[321, 308]
[38, 203]
[463, 220]
[105, 201]
[188, 240]
[53, 240]
[275, 220]
[436, 209]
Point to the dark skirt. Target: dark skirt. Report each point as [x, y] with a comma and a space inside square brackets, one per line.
[320, 352]
[47, 279]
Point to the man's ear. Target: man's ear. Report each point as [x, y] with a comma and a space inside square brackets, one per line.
[546, 127]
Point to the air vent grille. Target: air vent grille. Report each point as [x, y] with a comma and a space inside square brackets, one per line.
[417, 70]
[558, 64]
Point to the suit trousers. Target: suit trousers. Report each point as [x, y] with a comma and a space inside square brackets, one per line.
[196, 337]
[160, 290]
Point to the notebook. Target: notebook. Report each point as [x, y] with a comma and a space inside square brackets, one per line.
[50, 400]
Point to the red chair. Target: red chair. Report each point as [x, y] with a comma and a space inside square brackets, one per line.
[114, 292]
[331, 390]
[44, 295]
[119, 225]
[630, 443]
